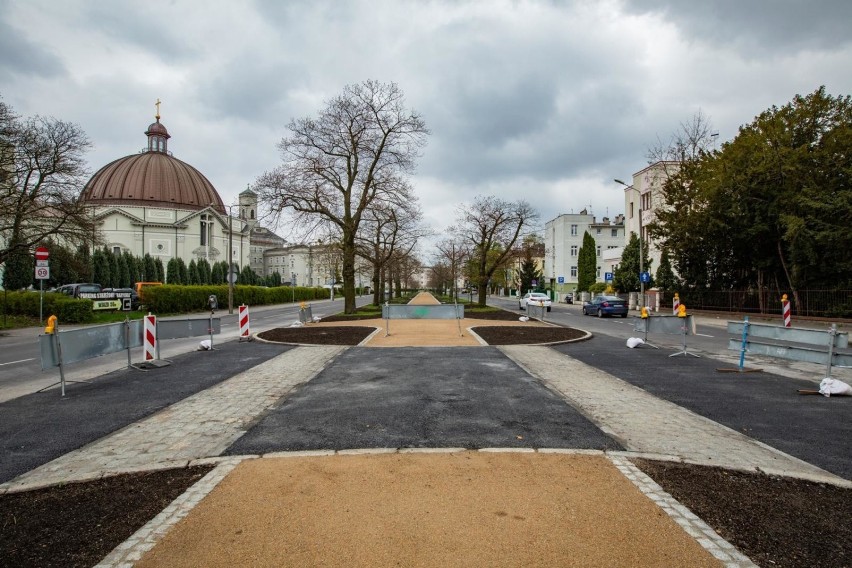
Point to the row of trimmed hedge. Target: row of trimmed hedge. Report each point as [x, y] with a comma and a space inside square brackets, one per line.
[166, 299]
[67, 310]
[172, 299]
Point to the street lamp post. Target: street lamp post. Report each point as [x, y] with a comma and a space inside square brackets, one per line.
[230, 261]
[293, 285]
[641, 247]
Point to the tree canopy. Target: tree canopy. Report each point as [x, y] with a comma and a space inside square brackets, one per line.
[489, 228]
[42, 172]
[772, 207]
[359, 150]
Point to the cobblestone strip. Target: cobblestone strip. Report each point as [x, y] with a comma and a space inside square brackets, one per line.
[143, 540]
[720, 548]
[200, 426]
[642, 422]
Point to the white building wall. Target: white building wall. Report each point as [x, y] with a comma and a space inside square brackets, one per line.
[563, 238]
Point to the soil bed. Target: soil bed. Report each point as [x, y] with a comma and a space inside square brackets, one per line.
[79, 523]
[774, 521]
[336, 335]
[505, 335]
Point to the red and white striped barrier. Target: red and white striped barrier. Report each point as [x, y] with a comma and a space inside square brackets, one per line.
[785, 311]
[675, 304]
[244, 322]
[149, 338]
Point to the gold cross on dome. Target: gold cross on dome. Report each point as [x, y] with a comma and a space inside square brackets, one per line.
[158, 109]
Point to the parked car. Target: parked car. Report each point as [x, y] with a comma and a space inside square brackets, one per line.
[606, 306]
[536, 299]
[74, 290]
[569, 298]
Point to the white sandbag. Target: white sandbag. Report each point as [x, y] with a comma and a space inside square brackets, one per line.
[204, 345]
[634, 342]
[296, 324]
[523, 318]
[829, 387]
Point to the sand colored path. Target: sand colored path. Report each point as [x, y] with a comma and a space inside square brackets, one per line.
[426, 332]
[452, 509]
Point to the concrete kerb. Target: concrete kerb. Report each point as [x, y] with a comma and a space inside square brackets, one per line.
[155, 530]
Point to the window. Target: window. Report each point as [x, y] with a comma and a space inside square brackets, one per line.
[598, 274]
[116, 250]
[599, 250]
[631, 209]
[615, 232]
[573, 250]
[573, 230]
[573, 272]
[206, 229]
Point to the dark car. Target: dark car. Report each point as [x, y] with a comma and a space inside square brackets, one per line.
[606, 306]
[569, 298]
[74, 290]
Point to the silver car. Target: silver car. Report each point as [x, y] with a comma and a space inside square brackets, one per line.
[536, 299]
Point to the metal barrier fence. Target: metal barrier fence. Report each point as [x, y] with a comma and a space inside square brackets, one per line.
[790, 343]
[415, 311]
[63, 347]
[410, 311]
[671, 325]
[805, 303]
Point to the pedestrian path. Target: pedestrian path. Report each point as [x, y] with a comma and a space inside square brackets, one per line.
[200, 426]
[644, 423]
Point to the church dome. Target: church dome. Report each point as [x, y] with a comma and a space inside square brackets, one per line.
[153, 178]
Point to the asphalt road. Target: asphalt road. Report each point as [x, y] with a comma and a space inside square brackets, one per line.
[423, 397]
[458, 397]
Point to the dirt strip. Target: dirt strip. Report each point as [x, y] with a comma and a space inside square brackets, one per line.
[456, 509]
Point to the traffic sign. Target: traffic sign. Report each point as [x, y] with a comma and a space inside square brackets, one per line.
[560, 279]
[42, 263]
[608, 276]
[41, 253]
[42, 272]
[645, 277]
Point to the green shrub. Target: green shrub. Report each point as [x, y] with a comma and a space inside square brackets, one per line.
[172, 299]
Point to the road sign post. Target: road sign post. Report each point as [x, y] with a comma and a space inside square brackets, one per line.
[42, 273]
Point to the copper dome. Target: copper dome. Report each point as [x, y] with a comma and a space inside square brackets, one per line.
[153, 178]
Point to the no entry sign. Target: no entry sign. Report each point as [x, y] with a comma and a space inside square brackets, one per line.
[41, 253]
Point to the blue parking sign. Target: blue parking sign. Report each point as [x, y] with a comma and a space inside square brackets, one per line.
[608, 276]
[560, 279]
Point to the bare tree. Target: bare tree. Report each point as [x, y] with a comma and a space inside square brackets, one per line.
[337, 165]
[490, 227]
[389, 230]
[451, 254]
[691, 140]
[42, 172]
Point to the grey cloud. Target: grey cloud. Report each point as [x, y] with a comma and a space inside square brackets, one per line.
[20, 56]
[141, 26]
[761, 25]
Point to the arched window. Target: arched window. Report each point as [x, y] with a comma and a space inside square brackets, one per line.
[252, 213]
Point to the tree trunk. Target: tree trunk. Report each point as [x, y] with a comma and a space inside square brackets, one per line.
[348, 273]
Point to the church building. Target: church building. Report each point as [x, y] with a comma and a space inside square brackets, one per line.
[153, 203]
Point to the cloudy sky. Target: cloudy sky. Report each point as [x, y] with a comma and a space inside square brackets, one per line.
[542, 100]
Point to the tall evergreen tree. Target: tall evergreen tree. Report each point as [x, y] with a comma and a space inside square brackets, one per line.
[183, 272]
[101, 263]
[172, 275]
[150, 268]
[114, 269]
[160, 270]
[665, 278]
[626, 276]
[204, 271]
[216, 273]
[193, 273]
[586, 263]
